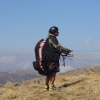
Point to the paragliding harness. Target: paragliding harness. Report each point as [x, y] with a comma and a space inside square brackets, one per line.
[46, 57]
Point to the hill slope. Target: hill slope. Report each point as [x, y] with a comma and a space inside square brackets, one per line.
[79, 87]
[82, 71]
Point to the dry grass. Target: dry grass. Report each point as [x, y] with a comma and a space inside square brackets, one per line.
[85, 87]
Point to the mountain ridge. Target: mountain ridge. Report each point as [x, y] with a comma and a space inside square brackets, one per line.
[17, 75]
[85, 85]
[22, 75]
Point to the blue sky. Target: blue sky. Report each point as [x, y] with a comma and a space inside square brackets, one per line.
[24, 22]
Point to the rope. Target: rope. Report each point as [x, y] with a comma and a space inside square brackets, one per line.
[82, 58]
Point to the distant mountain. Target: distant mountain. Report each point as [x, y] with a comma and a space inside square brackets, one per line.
[79, 87]
[22, 75]
[17, 75]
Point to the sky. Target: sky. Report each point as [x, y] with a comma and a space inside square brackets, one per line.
[24, 22]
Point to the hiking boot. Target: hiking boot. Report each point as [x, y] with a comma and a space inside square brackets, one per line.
[52, 87]
[46, 87]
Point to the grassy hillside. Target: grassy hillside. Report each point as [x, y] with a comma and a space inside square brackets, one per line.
[82, 87]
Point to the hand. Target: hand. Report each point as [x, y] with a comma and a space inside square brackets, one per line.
[68, 51]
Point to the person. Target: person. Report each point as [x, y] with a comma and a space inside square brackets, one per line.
[52, 34]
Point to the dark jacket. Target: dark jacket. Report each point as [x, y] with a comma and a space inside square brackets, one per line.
[53, 40]
[57, 49]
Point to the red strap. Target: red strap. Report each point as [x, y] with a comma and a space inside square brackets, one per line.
[42, 43]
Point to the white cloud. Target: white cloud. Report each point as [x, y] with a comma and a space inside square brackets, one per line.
[97, 46]
[2, 46]
[16, 61]
[66, 68]
[25, 65]
[19, 50]
[88, 40]
[87, 46]
[7, 59]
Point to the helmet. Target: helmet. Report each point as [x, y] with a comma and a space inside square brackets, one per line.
[53, 29]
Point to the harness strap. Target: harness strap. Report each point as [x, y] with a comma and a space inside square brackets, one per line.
[42, 43]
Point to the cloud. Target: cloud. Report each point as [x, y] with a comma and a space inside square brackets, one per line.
[7, 59]
[97, 46]
[25, 65]
[66, 68]
[16, 61]
[87, 46]
[19, 50]
[1, 46]
[88, 40]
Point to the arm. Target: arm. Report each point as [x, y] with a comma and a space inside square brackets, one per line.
[56, 45]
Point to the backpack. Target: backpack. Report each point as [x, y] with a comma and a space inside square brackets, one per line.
[45, 57]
